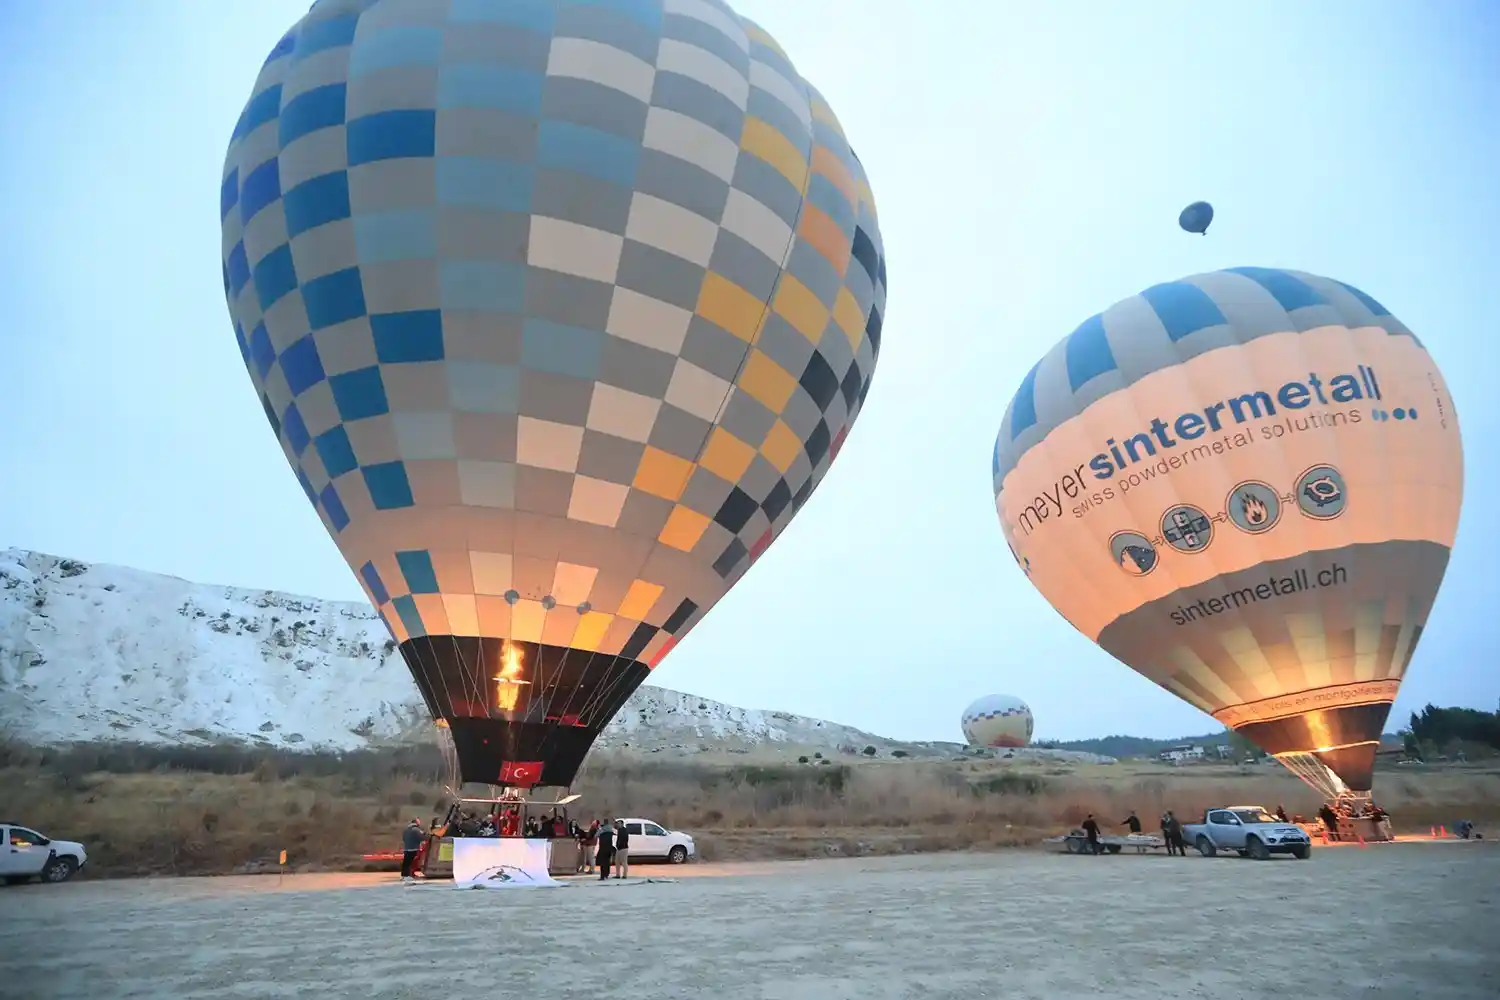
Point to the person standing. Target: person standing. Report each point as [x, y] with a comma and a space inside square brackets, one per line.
[411, 842]
[606, 849]
[1133, 822]
[1174, 835]
[622, 849]
[1091, 830]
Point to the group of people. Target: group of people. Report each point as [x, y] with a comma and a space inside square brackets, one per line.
[508, 823]
[1332, 814]
[1171, 832]
[1171, 827]
[603, 845]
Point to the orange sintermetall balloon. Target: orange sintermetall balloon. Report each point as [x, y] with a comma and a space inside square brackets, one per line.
[1244, 485]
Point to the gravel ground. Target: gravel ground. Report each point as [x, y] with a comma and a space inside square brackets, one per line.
[1405, 921]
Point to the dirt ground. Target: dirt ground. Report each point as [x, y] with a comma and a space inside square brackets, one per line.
[1400, 921]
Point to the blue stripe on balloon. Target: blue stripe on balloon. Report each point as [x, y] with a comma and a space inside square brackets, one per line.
[1288, 290]
[1370, 304]
[1183, 308]
[416, 567]
[372, 579]
[311, 111]
[1023, 407]
[1088, 353]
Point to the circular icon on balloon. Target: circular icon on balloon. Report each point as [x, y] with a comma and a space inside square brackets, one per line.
[1321, 493]
[1187, 528]
[1132, 552]
[1253, 506]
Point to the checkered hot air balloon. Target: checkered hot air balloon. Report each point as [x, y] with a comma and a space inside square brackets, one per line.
[997, 720]
[1245, 486]
[560, 311]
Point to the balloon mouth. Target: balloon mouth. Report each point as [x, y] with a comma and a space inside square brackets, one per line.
[520, 713]
[1343, 739]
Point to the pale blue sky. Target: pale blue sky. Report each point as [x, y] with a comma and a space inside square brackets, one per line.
[1029, 161]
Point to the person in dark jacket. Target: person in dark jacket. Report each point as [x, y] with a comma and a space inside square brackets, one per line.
[1175, 844]
[1091, 830]
[606, 850]
[622, 849]
[1133, 821]
[411, 843]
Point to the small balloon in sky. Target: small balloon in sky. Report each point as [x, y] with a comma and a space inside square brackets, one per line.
[1196, 217]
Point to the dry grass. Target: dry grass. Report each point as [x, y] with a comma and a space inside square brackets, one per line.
[213, 810]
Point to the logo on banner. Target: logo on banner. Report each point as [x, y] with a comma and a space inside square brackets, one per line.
[505, 873]
[522, 773]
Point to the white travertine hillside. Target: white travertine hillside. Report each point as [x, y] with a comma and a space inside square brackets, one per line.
[96, 652]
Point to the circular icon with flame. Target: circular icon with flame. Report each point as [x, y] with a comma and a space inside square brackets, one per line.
[1132, 552]
[1321, 493]
[1253, 506]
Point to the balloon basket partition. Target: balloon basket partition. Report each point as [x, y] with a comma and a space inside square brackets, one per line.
[1317, 776]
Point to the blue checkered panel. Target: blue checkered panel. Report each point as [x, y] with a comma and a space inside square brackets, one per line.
[559, 309]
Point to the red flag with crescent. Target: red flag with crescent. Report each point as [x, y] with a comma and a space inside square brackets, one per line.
[521, 773]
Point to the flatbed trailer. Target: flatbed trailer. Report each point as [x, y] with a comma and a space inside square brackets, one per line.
[1077, 842]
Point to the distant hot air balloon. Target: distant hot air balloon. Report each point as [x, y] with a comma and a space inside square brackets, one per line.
[1196, 217]
[1244, 485]
[997, 720]
[560, 312]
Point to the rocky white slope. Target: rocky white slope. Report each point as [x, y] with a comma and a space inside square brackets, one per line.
[96, 652]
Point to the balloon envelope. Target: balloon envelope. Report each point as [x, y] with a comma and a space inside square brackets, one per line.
[559, 312]
[1244, 485]
[997, 720]
[1196, 217]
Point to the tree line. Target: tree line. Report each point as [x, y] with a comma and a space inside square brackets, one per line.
[1434, 731]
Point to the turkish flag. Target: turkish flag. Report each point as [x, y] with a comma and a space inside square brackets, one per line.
[521, 773]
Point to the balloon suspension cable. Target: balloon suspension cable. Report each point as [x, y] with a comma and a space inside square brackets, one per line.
[1316, 775]
[452, 786]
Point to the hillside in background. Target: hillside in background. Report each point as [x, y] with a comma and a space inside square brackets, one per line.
[107, 653]
[99, 652]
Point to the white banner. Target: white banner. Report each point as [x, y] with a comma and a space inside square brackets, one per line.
[500, 863]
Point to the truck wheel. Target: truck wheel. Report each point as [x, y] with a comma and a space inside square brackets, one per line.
[1301, 852]
[677, 855]
[59, 869]
[1206, 847]
[1256, 849]
[1112, 848]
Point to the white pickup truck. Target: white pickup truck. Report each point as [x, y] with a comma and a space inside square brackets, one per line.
[1249, 831]
[27, 854]
[652, 841]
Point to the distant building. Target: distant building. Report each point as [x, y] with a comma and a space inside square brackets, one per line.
[1180, 754]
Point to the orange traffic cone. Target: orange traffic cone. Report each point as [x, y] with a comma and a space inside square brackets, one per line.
[1361, 840]
[1432, 832]
[1442, 831]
